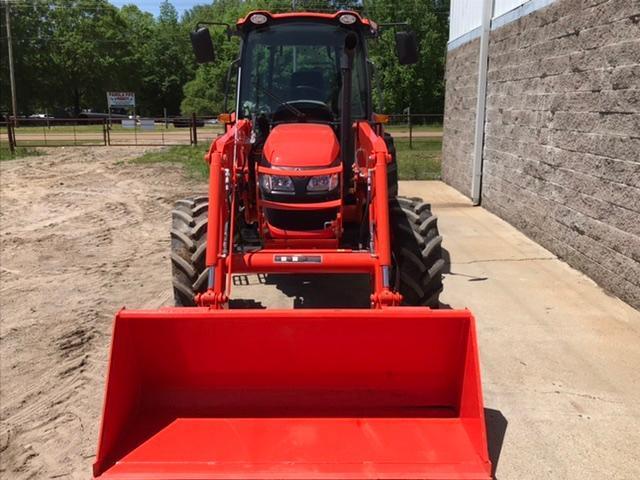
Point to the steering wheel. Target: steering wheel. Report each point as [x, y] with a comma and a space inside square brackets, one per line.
[304, 106]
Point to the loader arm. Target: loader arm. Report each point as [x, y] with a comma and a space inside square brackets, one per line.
[227, 160]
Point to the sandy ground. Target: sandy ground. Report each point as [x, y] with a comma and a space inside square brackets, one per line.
[82, 235]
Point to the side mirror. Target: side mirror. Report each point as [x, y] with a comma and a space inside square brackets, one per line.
[202, 45]
[406, 48]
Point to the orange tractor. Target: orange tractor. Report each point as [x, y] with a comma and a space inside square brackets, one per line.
[303, 181]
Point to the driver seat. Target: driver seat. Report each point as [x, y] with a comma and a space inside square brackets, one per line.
[308, 85]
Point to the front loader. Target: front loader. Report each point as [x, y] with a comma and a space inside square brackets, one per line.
[303, 181]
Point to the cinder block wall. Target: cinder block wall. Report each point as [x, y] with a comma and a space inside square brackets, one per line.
[460, 113]
[562, 135]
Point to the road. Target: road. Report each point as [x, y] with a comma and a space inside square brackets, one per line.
[84, 232]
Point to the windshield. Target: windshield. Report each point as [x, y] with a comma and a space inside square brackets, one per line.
[298, 62]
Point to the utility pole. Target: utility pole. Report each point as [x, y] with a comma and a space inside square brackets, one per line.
[11, 74]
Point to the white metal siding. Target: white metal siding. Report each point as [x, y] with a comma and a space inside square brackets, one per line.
[504, 6]
[465, 16]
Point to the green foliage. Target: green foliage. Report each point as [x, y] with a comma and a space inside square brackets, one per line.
[419, 86]
[205, 94]
[65, 51]
[6, 154]
[68, 53]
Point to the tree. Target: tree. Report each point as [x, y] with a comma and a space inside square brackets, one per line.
[205, 94]
[87, 45]
[34, 71]
[68, 53]
[420, 86]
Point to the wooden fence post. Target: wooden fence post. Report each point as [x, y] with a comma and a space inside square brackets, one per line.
[12, 136]
[195, 128]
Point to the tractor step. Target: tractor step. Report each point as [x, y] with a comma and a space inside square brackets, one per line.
[196, 393]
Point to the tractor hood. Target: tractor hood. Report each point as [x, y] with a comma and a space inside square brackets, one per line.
[301, 145]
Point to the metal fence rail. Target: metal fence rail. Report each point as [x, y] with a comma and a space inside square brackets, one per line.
[416, 125]
[54, 132]
[69, 132]
[160, 131]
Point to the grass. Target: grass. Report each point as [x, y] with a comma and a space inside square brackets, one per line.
[422, 162]
[432, 127]
[5, 152]
[190, 156]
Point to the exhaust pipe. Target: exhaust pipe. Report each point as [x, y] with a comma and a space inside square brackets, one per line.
[346, 142]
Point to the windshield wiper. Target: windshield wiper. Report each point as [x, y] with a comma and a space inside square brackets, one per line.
[283, 103]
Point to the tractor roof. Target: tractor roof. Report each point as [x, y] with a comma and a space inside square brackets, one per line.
[258, 18]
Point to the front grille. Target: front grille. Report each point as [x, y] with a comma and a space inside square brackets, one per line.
[307, 220]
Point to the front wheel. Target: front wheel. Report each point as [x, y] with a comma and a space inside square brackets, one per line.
[188, 249]
[417, 252]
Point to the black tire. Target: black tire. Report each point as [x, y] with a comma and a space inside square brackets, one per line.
[417, 252]
[188, 249]
[392, 168]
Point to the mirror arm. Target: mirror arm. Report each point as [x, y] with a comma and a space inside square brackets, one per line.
[228, 30]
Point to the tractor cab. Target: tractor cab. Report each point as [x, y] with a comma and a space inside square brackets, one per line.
[291, 70]
[303, 82]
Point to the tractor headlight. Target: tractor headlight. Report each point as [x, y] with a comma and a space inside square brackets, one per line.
[277, 183]
[322, 183]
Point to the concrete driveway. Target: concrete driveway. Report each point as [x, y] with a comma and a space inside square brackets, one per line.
[560, 358]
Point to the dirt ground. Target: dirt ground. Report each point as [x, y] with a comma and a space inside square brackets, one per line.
[82, 234]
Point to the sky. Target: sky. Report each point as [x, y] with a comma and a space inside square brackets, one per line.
[153, 6]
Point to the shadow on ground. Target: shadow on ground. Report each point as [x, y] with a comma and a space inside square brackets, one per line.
[496, 429]
[323, 291]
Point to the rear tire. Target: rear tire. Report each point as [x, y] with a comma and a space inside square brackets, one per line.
[417, 252]
[188, 249]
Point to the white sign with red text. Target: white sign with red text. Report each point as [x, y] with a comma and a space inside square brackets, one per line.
[121, 99]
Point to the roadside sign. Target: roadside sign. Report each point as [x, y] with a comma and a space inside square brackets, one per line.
[121, 99]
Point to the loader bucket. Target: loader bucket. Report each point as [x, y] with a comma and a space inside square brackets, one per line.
[300, 394]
